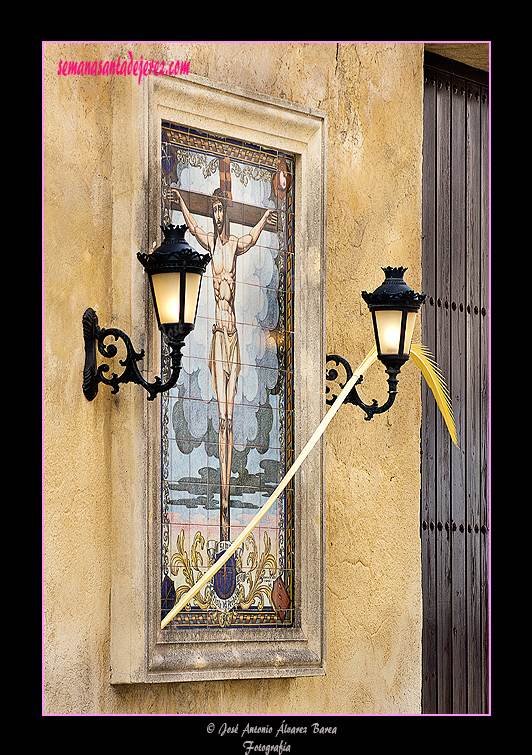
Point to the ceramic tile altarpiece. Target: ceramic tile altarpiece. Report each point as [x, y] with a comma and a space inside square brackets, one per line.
[227, 426]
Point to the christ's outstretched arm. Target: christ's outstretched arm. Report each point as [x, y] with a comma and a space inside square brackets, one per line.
[251, 238]
[201, 235]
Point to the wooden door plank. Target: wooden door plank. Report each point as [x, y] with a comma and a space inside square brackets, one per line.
[428, 436]
[484, 389]
[457, 379]
[442, 313]
[473, 484]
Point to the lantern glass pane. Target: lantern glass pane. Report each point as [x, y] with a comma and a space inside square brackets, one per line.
[191, 296]
[388, 323]
[166, 289]
[410, 322]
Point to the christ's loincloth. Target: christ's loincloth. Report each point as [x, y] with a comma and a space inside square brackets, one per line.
[224, 349]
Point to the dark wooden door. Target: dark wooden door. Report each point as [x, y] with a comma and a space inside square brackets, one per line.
[455, 326]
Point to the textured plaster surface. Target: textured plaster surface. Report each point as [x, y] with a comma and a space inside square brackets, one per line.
[372, 94]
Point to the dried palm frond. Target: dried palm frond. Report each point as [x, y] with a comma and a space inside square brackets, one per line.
[423, 358]
[368, 361]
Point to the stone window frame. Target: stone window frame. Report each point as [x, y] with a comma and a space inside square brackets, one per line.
[139, 651]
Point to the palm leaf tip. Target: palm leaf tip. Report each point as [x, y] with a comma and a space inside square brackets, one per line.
[430, 370]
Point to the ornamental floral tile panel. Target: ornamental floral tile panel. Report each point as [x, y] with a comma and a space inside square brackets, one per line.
[227, 429]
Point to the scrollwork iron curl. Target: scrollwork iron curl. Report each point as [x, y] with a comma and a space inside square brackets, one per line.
[93, 376]
[353, 396]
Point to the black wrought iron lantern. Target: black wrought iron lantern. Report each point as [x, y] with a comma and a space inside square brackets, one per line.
[175, 271]
[393, 306]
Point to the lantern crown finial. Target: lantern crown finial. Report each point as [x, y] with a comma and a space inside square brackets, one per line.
[394, 292]
[394, 272]
[174, 252]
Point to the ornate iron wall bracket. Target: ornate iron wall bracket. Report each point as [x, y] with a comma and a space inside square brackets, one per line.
[94, 336]
[353, 396]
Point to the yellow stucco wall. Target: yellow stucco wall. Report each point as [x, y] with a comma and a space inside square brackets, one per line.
[372, 94]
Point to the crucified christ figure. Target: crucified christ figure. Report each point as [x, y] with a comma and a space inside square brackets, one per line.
[224, 356]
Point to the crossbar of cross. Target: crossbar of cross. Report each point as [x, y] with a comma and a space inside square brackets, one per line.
[238, 212]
